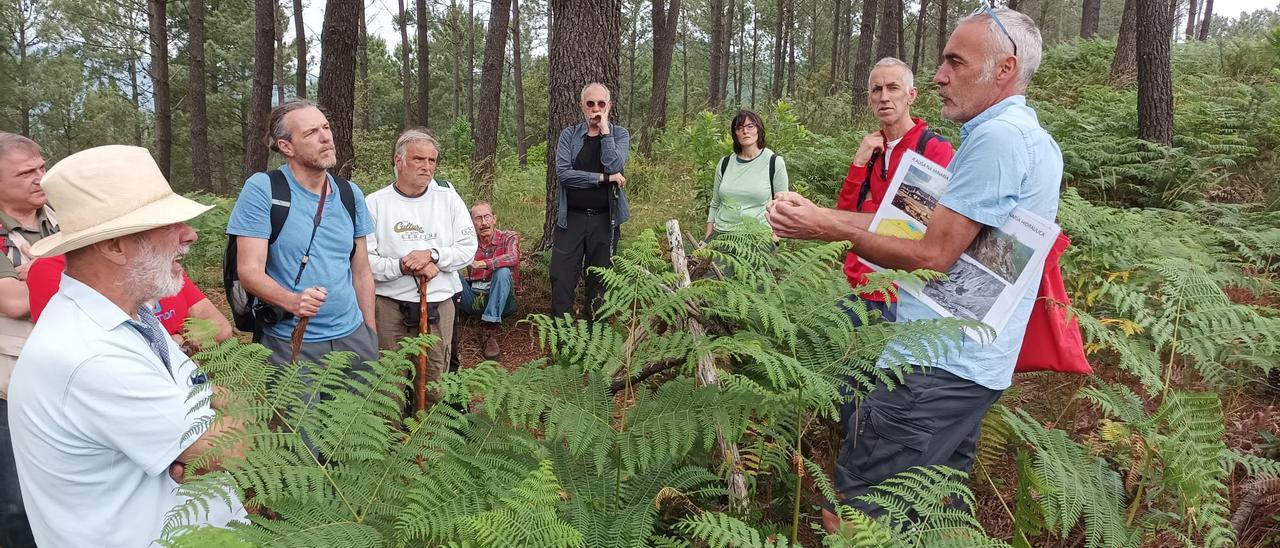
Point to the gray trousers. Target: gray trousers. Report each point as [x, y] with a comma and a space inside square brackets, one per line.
[934, 418]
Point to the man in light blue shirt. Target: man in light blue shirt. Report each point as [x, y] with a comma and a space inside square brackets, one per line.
[1005, 160]
[317, 267]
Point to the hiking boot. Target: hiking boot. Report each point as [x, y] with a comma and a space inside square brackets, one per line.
[491, 349]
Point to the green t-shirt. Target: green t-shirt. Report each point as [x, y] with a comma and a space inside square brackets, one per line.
[44, 227]
[744, 189]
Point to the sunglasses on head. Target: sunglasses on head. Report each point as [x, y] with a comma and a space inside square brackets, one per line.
[594, 104]
[986, 8]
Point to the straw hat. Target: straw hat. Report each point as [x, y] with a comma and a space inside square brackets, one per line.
[108, 192]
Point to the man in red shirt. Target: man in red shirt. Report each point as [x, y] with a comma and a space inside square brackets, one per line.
[890, 93]
[45, 276]
[493, 274]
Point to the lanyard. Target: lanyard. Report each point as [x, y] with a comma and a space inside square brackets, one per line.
[315, 225]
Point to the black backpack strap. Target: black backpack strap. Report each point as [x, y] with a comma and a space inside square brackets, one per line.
[724, 164]
[347, 196]
[865, 191]
[280, 197]
[926, 136]
[773, 162]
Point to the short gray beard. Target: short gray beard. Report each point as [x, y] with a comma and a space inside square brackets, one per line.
[149, 275]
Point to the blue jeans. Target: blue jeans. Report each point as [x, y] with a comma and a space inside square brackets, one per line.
[501, 301]
[15, 532]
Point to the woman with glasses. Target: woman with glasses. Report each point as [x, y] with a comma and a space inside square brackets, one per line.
[746, 180]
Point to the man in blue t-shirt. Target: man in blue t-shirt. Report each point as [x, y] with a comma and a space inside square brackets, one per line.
[1006, 160]
[334, 285]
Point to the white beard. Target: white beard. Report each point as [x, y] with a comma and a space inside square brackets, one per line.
[151, 275]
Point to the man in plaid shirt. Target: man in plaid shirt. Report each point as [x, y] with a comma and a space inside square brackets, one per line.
[488, 289]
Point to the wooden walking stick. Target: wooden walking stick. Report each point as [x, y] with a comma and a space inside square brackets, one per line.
[424, 328]
[295, 341]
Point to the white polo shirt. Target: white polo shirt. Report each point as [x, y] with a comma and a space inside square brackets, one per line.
[96, 420]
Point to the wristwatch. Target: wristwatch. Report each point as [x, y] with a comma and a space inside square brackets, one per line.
[435, 256]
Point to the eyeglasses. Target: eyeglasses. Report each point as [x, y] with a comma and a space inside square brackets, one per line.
[746, 126]
[594, 104]
[485, 217]
[986, 8]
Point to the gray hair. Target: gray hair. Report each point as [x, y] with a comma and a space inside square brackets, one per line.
[582, 96]
[10, 142]
[276, 128]
[909, 77]
[415, 135]
[1022, 31]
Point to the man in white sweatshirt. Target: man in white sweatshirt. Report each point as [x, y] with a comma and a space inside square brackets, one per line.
[422, 234]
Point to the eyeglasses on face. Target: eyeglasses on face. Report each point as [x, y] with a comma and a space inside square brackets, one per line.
[594, 104]
[747, 126]
[986, 8]
[485, 217]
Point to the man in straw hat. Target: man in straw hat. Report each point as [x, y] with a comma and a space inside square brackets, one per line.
[102, 426]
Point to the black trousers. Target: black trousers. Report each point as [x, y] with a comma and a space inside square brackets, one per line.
[589, 240]
[934, 417]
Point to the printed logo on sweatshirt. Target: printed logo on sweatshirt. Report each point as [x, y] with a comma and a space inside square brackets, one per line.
[406, 226]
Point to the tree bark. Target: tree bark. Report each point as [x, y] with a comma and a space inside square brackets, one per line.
[664, 17]
[300, 41]
[791, 48]
[484, 155]
[737, 71]
[889, 35]
[1124, 65]
[362, 70]
[1155, 82]
[424, 64]
[159, 33]
[455, 45]
[281, 93]
[255, 153]
[337, 85]
[517, 77]
[779, 53]
[583, 49]
[862, 65]
[1208, 18]
[1193, 7]
[716, 14]
[920, 24]
[837, 28]
[471, 63]
[631, 62]
[943, 31]
[406, 73]
[196, 99]
[727, 51]
[1090, 12]
[755, 59]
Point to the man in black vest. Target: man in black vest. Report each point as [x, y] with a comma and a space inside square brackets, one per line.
[590, 157]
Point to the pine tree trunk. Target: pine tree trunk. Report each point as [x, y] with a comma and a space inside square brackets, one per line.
[365, 98]
[1090, 12]
[684, 71]
[726, 51]
[584, 49]
[631, 63]
[455, 44]
[135, 98]
[715, 52]
[899, 12]
[255, 152]
[1193, 7]
[517, 77]
[920, 24]
[1155, 82]
[159, 33]
[943, 31]
[424, 64]
[775, 83]
[887, 37]
[737, 71]
[484, 156]
[406, 73]
[837, 26]
[1208, 18]
[862, 65]
[337, 86]
[197, 97]
[664, 18]
[791, 48]
[1124, 66]
[471, 62]
[281, 93]
[755, 59]
[300, 41]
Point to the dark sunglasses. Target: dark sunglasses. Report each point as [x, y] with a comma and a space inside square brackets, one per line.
[990, 12]
[594, 104]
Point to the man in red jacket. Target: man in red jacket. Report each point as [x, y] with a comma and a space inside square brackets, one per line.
[890, 93]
